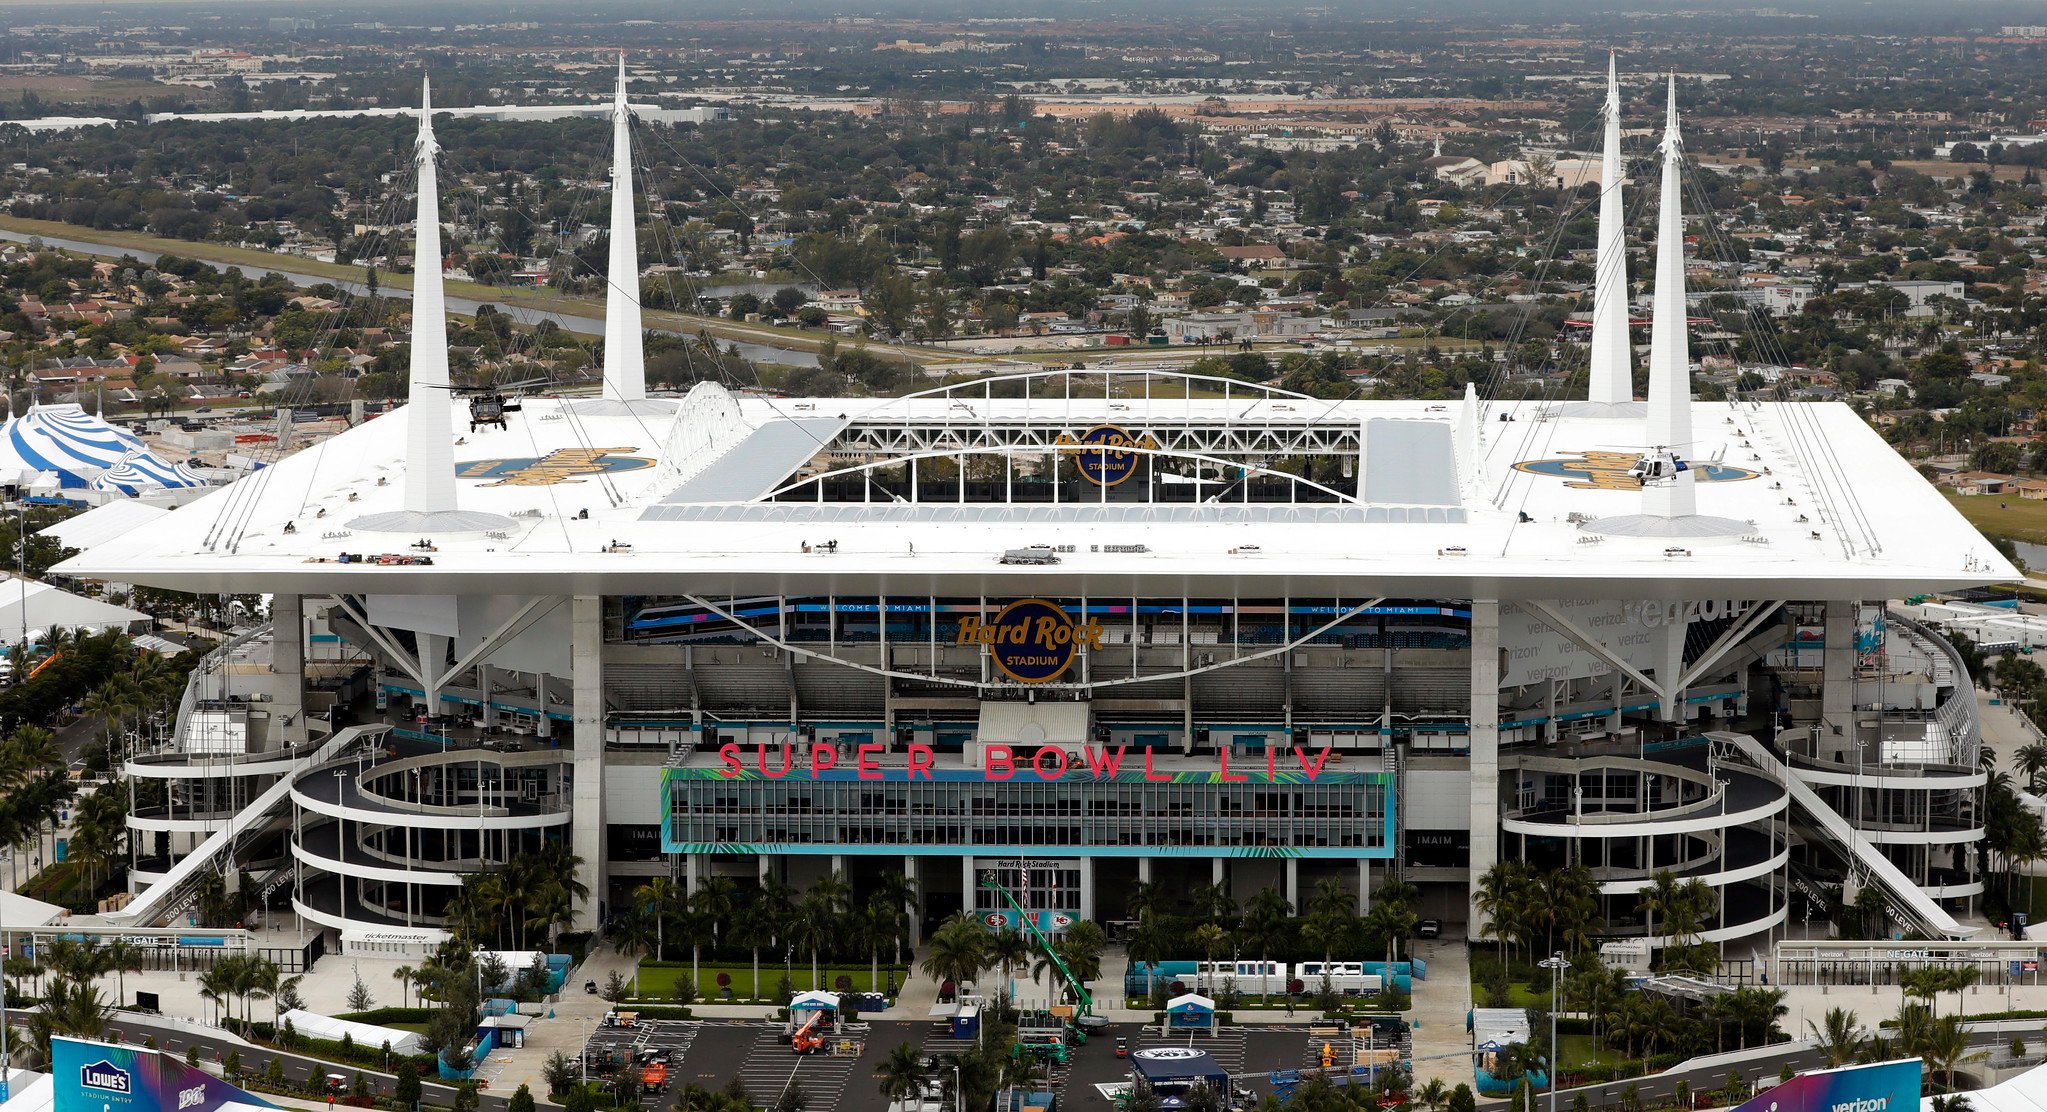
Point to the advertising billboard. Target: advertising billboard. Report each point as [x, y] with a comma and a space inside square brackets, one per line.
[103, 1077]
[1880, 1087]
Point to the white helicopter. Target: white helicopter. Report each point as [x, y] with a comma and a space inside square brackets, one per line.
[1659, 466]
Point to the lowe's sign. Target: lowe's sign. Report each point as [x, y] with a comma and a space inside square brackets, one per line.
[103, 1077]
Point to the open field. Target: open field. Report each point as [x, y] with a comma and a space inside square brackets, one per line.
[2010, 517]
[57, 91]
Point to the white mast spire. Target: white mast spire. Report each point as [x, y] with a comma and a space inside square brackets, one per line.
[429, 447]
[1612, 374]
[625, 364]
[1669, 497]
[625, 357]
[1670, 379]
[429, 402]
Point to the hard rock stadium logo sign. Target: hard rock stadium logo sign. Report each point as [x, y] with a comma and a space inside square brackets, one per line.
[1095, 452]
[1609, 470]
[1031, 640]
[563, 465]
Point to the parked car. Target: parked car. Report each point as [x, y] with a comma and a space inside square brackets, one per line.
[1429, 928]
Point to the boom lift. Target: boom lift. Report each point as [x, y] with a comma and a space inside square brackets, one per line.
[1080, 993]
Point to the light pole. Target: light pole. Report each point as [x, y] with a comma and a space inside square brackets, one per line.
[1555, 963]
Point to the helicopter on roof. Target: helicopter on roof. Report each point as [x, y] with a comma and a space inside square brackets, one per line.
[1658, 467]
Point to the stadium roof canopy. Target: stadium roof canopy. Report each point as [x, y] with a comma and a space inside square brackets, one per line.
[1436, 499]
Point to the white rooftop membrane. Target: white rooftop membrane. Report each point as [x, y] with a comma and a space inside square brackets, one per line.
[1855, 520]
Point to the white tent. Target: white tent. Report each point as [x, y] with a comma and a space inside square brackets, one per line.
[31, 608]
[79, 448]
[101, 524]
[28, 1091]
[19, 911]
[2025, 1093]
[364, 1034]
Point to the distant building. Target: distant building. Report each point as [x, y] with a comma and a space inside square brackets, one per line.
[1458, 170]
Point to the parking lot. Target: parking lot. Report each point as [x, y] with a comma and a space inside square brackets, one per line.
[711, 1052]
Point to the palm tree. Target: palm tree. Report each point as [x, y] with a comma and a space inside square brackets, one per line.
[879, 923]
[1213, 903]
[714, 902]
[1147, 946]
[2031, 761]
[1658, 897]
[1265, 926]
[750, 929]
[1082, 947]
[1145, 896]
[956, 952]
[899, 892]
[69, 1008]
[1500, 898]
[901, 1075]
[1945, 1045]
[215, 988]
[657, 899]
[1839, 1037]
[122, 958]
[1009, 951]
[403, 975]
[633, 934]
[99, 827]
[1211, 940]
[819, 922]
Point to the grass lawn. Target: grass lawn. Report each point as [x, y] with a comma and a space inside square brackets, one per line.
[2019, 519]
[657, 982]
[1581, 1050]
[419, 1028]
[1519, 995]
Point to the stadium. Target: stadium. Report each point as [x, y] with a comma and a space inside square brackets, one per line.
[1079, 627]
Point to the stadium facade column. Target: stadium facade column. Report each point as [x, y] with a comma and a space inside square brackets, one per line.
[1293, 882]
[1484, 739]
[1837, 692]
[483, 694]
[586, 653]
[1087, 887]
[1144, 870]
[288, 659]
[917, 886]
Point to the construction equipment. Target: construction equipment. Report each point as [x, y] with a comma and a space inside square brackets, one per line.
[1087, 1002]
[38, 669]
[654, 1077]
[809, 1038]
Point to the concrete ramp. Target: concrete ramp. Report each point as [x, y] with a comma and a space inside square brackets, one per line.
[1904, 894]
[168, 895]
